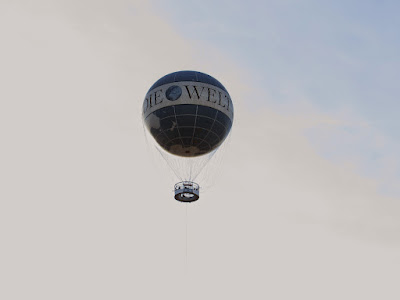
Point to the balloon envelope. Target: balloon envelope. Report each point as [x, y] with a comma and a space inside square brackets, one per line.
[188, 113]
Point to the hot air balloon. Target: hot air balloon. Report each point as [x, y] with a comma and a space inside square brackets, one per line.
[189, 114]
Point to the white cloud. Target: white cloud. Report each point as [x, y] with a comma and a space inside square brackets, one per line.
[86, 214]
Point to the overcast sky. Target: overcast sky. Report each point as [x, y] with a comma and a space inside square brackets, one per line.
[305, 204]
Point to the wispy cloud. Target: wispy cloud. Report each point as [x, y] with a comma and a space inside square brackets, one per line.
[86, 214]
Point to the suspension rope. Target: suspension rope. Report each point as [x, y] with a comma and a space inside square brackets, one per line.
[186, 240]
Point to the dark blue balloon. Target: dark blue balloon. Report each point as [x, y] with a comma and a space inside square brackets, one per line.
[188, 113]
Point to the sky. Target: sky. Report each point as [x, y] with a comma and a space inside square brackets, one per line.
[305, 203]
[336, 57]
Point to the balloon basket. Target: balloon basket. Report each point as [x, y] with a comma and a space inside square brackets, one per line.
[187, 191]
